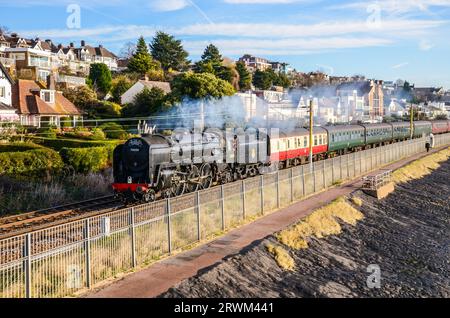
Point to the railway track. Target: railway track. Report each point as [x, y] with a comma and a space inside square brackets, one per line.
[37, 220]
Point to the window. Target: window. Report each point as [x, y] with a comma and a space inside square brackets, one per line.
[48, 96]
[305, 141]
[315, 140]
[2, 91]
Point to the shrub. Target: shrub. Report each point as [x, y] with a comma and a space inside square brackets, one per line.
[18, 147]
[97, 134]
[86, 160]
[47, 132]
[66, 122]
[32, 163]
[58, 144]
[114, 131]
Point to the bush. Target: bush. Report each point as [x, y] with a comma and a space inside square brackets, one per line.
[58, 144]
[32, 163]
[97, 134]
[114, 131]
[18, 147]
[86, 160]
[66, 122]
[47, 132]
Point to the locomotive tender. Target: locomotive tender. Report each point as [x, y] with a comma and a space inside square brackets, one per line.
[186, 162]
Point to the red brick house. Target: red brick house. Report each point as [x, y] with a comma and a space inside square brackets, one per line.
[37, 105]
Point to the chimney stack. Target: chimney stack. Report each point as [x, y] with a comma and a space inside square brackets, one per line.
[14, 35]
[83, 43]
[71, 44]
[100, 46]
[51, 82]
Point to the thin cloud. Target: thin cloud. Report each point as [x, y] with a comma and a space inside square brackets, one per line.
[169, 5]
[400, 65]
[425, 45]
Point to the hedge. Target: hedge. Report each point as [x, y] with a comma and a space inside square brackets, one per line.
[58, 144]
[18, 147]
[85, 160]
[31, 163]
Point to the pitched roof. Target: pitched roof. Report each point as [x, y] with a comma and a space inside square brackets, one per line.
[6, 107]
[165, 86]
[26, 99]
[101, 51]
[8, 77]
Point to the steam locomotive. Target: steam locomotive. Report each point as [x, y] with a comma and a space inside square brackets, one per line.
[189, 161]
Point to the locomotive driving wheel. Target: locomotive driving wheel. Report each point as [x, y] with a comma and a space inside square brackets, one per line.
[149, 196]
[178, 184]
[192, 179]
[206, 176]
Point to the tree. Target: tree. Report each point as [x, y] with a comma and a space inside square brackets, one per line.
[141, 62]
[262, 80]
[128, 50]
[119, 86]
[83, 97]
[169, 52]
[212, 55]
[100, 79]
[200, 85]
[146, 103]
[407, 87]
[282, 80]
[245, 78]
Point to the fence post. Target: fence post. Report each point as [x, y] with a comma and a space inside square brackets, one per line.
[332, 170]
[243, 200]
[292, 184]
[199, 234]
[340, 169]
[27, 264]
[262, 194]
[169, 230]
[360, 163]
[133, 238]
[87, 250]
[314, 177]
[303, 181]
[324, 177]
[222, 193]
[278, 189]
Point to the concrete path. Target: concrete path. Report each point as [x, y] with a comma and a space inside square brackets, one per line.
[159, 277]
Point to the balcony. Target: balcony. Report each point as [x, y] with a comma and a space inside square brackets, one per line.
[7, 62]
[71, 80]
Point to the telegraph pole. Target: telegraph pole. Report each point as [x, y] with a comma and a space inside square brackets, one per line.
[311, 126]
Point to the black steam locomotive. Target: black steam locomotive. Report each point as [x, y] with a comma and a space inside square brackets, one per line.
[186, 162]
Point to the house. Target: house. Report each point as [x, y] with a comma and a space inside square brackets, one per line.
[129, 95]
[363, 100]
[89, 54]
[7, 111]
[37, 104]
[428, 94]
[254, 63]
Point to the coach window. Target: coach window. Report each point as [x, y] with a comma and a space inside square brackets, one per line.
[315, 140]
[305, 141]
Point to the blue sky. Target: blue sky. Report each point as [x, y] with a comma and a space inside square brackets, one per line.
[384, 39]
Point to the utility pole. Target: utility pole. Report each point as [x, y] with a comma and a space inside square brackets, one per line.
[411, 123]
[311, 126]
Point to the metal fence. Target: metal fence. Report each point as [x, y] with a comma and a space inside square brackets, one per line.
[65, 259]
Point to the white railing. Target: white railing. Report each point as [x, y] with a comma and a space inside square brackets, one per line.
[72, 80]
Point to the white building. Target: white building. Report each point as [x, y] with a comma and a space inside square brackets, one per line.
[129, 95]
[7, 111]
